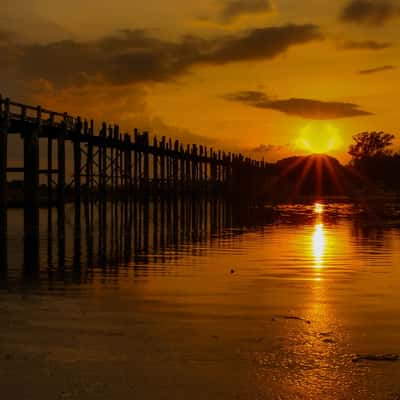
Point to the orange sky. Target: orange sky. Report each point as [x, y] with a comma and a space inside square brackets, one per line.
[273, 78]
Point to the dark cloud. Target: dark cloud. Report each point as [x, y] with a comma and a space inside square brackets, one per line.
[136, 57]
[263, 43]
[266, 148]
[233, 9]
[370, 12]
[377, 69]
[364, 45]
[305, 108]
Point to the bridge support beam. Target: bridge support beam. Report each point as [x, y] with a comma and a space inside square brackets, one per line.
[3, 186]
[31, 199]
[77, 159]
[61, 162]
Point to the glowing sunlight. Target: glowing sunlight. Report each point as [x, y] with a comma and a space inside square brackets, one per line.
[319, 137]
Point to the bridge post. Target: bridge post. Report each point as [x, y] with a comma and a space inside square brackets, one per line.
[146, 161]
[89, 159]
[169, 164]
[135, 159]
[31, 196]
[128, 164]
[188, 168]
[182, 162]
[175, 164]
[102, 159]
[155, 165]
[162, 163]
[194, 167]
[200, 166]
[4, 123]
[77, 157]
[61, 159]
[139, 154]
[220, 167]
[205, 166]
[50, 166]
[61, 193]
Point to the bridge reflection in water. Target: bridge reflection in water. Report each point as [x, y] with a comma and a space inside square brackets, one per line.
[84, 238]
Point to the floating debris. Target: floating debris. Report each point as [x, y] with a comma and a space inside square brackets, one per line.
[328, 340]
[293, 318]
[325, 334]
[376, 357]
[232, 271]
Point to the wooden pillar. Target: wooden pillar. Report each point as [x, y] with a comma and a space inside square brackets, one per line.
[128, 163]
[136, 159]
[213, 169]
[61, 159]
[102, 159]
[113, 163]
[121, 165]
[194, 166]
[167, 165]
[155, 164]
[188, 168]
[205, 165]
[200, 165]
[4, 123]
[77, 157]
[182, 161]
[31, 197]
[170, 165]
[162, 162]
[219, 177]
[146, 161]
[175, 165]
[50, 165]
[89, 159]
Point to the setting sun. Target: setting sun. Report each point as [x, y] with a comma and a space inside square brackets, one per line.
[319, 137]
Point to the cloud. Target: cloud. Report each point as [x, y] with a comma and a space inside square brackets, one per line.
[265, 148]
[262, 44]
[305, 108]
[377, 69]
[233, 9]
[370, 12]
[364, 45]
[136, 57]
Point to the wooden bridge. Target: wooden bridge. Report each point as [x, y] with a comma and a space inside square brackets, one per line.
[105, 165]
[109, 162]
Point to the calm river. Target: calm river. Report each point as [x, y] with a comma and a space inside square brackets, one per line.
[200, 301]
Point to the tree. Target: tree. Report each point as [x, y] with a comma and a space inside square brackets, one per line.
[371, 144]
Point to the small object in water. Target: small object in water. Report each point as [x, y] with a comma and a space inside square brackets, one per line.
[294, 317]
[232, 271]
[330, 341]
[376, 357]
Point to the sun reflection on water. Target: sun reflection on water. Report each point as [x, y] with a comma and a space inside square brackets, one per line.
[318, 208]
[318, 237]
[319, 242]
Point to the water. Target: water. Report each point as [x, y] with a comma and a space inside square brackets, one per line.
[208, 302]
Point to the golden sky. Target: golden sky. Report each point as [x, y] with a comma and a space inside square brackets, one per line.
[271, 78]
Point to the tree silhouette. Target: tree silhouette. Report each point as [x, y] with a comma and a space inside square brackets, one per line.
[371, 144]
